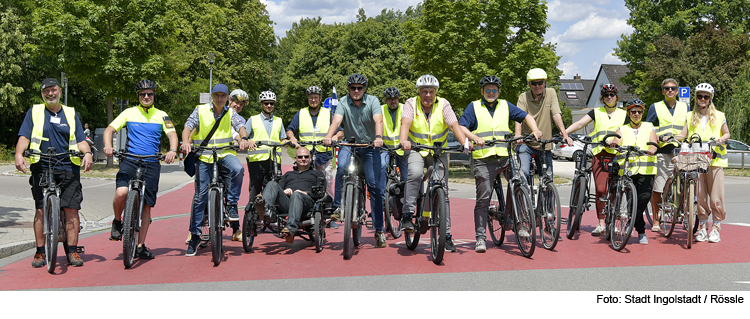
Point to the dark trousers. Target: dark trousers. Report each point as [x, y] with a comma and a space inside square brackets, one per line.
[643, 186]
[295, 205]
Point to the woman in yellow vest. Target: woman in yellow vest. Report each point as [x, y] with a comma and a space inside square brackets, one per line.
[709, 123]
[606, 120]
[639, 133]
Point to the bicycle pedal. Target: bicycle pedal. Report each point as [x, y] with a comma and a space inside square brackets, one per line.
[369, 224]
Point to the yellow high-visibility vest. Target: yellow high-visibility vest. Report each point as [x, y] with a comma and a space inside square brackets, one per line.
[222, 136]
[491, 127]
[721, 159]
[604, 125]
[37, 131]
[644, 165]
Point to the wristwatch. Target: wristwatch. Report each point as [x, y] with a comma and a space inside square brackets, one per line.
[379, 136]
[173, 150]
[89, 152]
[245, 138]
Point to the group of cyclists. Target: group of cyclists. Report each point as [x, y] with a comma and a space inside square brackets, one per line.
[424, 119]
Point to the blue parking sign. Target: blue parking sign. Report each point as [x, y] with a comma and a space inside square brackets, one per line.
[684, 92]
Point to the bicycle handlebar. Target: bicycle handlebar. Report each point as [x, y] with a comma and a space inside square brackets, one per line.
[121, 154]
[418, 147]
[274, 144]
[50, 153]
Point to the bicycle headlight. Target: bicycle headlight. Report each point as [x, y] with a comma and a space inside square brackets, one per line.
[351, 168]
[628, 173]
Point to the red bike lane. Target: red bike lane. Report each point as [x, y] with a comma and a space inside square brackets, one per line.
[273, 258]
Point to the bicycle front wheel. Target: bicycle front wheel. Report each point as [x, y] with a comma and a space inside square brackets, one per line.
[359, 212]
[391, 212]
[549, 228]
[129, 225]
[248, 230]
[318, 231]
[215, 224]
[438, 225]
[348, 212]
[526, 224]
[690, 212]
[623, 218]
[670, 209]
[577, 204]
[496, 219]
[51, 213]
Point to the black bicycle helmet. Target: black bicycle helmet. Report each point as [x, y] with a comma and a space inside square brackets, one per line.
[145, 84]
[490, 79]
[608, 88]
[634, 102]
[356, 79]
[314, 89]
[392, 92]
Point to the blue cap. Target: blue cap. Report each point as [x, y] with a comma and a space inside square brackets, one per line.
[220, 88]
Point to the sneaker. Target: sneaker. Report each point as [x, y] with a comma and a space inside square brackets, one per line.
[713, 237]
[75, 260]
[39, 261]
[116, 233]
[449, 245]
[406, 224]
[481, 246]
[232, 211]
[336, 214]
[598, 230]
[187, 241]
[285, 233]
[380, 239]
[332, 225]
[642, 239]
[523, 233]
[237, 236]
[701, 235]
[192, 249]
[142, 252]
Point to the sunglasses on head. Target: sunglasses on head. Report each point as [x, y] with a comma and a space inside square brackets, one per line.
[670, 88]
[146, 94]
[303, 156]
[609, 95]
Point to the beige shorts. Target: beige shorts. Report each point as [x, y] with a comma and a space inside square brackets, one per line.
[664, 170]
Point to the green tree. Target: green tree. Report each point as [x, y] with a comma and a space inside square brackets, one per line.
[459, 42]
[737, 106]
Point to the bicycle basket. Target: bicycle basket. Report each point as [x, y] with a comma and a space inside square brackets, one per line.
[689, 161]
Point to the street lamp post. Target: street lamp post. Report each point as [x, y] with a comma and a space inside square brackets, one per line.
[210, 76]
[65, 84]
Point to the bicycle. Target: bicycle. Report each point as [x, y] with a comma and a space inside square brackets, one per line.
[131, 220]
[519, 215]
[435, 211]
[580, 194]
[218, 218]
[547, 201]
[353, 199]
[679, 196]
[621, 200]
[52, 215]
[394, 194]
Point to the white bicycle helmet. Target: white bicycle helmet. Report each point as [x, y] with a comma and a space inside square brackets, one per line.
[705, 87]
[267, 96]
[239, 95]
[428, 81]
[536, 74]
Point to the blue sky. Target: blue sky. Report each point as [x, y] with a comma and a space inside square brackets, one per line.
[586, 31]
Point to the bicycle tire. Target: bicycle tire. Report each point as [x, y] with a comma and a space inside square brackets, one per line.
[626, 204]
[214, 225]
[438, 225]
[496, 219]
[549, 228]
[360, 210]
[248, 231]
[669, 210]
[390, 210]
[348, 210]
[690, 212]
[129, 225]
[523, 209]
[577, 203]
[52, 221]
[647, 214]
[318, 231]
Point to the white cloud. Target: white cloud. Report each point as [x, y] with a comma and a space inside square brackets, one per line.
[559, 11]
[596, 27]
[610, 58]
[569, 69]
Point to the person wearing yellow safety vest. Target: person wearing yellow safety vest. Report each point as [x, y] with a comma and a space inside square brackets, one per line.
[606, 121]
[709, 123]
[197, 127]
[425, 120]
[488, 118]
[639, 133]
[392, 111]
[263, 127]
[145, 124]
[668, 116]
[311, 124]
[541, 102]
[53, 124]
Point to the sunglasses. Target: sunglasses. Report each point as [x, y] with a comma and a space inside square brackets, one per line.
[303, 156]
[537, 83]
[490, 91]
[268, 103]
[703, 97]
[636, 112]
[670, 88]
[609, 95]
[146, 94]
[356, 88]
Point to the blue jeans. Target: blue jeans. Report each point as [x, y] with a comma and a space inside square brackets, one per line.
[384, 158]
[370, 162]
[524, 154]
[232, 173]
